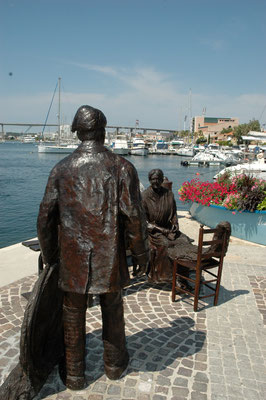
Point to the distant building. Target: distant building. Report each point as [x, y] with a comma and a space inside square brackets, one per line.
[153, 135]
[212, 126]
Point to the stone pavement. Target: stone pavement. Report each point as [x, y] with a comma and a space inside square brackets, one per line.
[217, 353]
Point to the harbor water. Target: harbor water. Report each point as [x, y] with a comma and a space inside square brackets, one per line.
[24, 173]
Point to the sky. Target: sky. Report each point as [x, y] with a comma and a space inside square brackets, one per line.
[155, 61]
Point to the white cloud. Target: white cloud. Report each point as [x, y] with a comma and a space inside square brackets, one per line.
[98, 68]
[153, 98]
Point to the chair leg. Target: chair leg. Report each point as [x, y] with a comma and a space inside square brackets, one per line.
[197, 289]
[174, 281]
[217, 289]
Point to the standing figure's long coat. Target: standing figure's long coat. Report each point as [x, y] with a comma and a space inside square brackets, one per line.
[90, 210]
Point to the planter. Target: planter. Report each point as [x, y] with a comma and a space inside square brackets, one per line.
[245, 225]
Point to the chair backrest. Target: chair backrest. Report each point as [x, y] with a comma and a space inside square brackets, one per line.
[217, 245]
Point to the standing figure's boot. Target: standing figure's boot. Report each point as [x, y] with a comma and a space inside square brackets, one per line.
[74, 337]
[114, 341]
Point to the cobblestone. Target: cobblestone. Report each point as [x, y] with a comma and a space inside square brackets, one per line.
[217, 353]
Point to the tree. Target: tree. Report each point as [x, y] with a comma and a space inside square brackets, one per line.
[226, 130]
[243, 129]
[184, 133]
[201, 139]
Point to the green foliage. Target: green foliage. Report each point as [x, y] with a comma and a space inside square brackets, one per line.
[234, 192]
[225, 179]
[250, 199]
[201, 139]
[252, 192]
[244, 181]
[184, 133]
[243, 129]
[226, 130]
[225, 143]
[231, 201]
[262, 206]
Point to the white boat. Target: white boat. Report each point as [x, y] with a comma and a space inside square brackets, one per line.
[28, 139]
[161, 147]
[199, 147]
[120, 145]
[185, 151]
[58, 148]
[175, 145]
[254, 168]
[215, 157]
[213, 147]
[158, 147]
[138, 147]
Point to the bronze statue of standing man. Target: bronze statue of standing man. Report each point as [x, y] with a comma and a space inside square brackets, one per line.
[90, 209]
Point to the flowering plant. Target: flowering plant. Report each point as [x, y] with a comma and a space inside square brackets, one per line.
[240, 192]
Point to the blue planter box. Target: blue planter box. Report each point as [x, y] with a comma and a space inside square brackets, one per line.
[245, 225]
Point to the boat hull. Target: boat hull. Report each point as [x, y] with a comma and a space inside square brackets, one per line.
[139, 152]
[250, 226]
[56, 149]
[256, 169]
[121, 152]
[185, 153]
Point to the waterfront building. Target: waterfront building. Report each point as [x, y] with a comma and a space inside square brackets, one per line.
[212, 126]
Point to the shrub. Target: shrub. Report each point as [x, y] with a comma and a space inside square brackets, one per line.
[242, 192]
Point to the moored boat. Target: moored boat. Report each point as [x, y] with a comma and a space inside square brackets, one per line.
[28, 139]
[138, 147]
[56, 148]
[186, 151]
[255, 168]
[59, 147]
[120, 145]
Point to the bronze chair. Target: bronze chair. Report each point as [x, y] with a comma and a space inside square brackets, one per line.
[207, 259]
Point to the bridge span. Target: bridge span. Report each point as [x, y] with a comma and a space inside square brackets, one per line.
[117, 129]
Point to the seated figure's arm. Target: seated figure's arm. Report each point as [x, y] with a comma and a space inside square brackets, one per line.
[152, 227]
[175, 224]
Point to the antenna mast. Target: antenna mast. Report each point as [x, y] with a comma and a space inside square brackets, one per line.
[59, 109]
[190, 115]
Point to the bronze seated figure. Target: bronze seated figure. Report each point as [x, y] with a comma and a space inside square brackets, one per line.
[165, 237]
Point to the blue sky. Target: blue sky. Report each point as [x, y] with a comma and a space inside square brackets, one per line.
[133, 59]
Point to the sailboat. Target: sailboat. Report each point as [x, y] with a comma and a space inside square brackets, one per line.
[58, 148]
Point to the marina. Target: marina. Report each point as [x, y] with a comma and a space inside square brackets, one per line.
[25, 169]
[133, 269]
[24, 174]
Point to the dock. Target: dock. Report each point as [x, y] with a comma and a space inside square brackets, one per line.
[204, 163]
[217, 353]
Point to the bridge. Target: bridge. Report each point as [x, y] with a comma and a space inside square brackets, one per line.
[3, 124]
[117, 129]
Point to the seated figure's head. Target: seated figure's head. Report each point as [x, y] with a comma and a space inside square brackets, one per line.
[156, 178]
[89, 123]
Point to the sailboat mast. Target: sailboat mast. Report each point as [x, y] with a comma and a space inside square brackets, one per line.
[190, 116]
[59, 109]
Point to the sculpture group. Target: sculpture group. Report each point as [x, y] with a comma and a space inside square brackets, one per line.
[92, 212]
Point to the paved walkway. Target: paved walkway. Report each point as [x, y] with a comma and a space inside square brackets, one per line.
[217, 353]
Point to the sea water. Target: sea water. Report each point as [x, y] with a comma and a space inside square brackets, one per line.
[24, 173]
